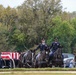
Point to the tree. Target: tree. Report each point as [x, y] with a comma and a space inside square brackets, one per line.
[73, 43]
[64, 31]
[35, 18]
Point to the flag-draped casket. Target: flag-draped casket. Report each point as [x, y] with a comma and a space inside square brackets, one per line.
[10, 55]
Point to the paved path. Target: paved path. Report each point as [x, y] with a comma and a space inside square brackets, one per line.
[73, 72]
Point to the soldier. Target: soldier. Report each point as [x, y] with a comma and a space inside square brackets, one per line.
[1, 61]
[55, 45]
[42, 46]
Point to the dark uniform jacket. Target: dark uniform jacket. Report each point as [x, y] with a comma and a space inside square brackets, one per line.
[1, 62]
[41, 47]
[55, 46]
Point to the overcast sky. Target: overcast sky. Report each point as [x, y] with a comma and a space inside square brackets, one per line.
[11, 3]
[69, 4]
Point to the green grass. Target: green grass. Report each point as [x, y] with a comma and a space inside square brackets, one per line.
[39, 69]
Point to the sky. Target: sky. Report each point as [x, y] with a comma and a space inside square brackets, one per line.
[11, 3]
[68, 5]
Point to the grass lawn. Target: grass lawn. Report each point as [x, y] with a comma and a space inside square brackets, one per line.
[23, 73]
[38, 71]
[37, 74]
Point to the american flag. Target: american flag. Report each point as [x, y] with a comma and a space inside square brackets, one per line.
[10, 55]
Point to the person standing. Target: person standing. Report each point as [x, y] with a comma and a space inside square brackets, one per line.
[1, 61]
